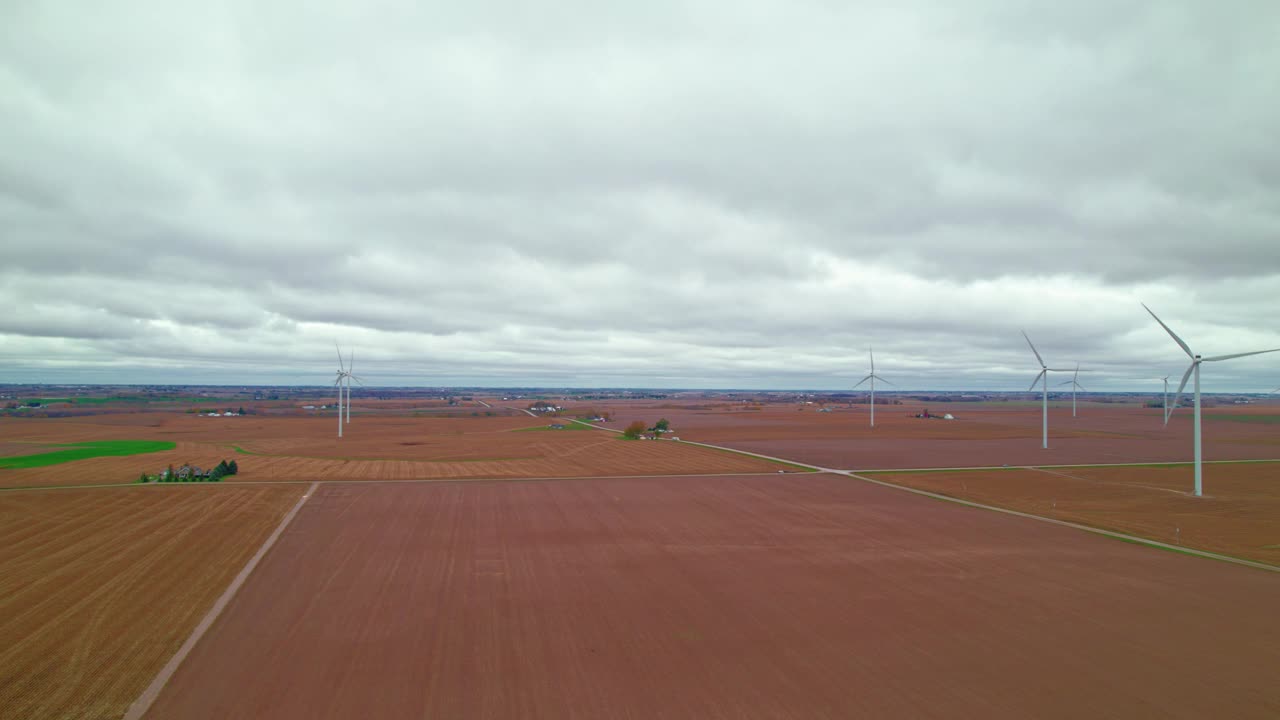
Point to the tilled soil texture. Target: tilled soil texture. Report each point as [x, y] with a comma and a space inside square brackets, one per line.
[517, 455]
[798, 596]
[1238, 516]
[383, 448]
[99, 588]
[983, 434]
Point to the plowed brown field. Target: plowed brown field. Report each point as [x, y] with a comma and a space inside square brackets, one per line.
[98, 588]
[982, 434]
[797, 596]
[1239, 515]
[384, 448]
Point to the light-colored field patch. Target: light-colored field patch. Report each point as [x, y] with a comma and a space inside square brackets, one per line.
[578, 454]
[98, 588]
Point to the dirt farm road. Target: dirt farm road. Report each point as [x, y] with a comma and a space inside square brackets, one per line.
[148, 696]
[1098, 531]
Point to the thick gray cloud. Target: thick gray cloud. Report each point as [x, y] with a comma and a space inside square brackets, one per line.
[695, 194]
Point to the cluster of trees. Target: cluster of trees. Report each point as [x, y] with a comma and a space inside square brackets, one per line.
[637, 428]
[223, 469]
[192, 474]
[29, 403]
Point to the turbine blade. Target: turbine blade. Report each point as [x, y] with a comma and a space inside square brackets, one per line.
[886, 382]
[1043, 374]
[340, 365]
[872, 353]
[1077, 375]
[351, 363]
[1172, 334]
[1079, 386]
[1185, 376]
[1033, 348]
[855, 387]
[1068, 382]
[1238, 355]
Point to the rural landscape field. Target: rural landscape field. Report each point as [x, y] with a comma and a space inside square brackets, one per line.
[888, 360]
[99, 588]
[759, 558]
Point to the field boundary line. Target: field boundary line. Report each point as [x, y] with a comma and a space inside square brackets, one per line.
[1064, 523]
[140, 706]
[1030, 516]
[784, 461]
[963, 468]
[1058, 473]
[593, 425]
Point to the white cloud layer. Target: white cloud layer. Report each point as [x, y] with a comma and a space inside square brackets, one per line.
[705, 194]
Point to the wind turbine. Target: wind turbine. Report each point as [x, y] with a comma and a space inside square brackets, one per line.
[1195, 368]
[1166, 398]
[342, 375]
[873, 377]
[1074, 386]
[351, 368]
[1044, 373]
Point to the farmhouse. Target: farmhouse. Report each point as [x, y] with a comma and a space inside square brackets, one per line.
[186, 472]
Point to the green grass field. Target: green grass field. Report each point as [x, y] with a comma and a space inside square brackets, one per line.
[83, 451]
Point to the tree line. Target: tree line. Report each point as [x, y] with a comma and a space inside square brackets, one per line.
[191, 473]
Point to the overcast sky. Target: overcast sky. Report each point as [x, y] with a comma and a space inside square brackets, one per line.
[704, 194]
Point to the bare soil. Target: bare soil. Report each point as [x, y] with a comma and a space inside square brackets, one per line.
[798, 596]
[1238, 516]
[98, 588]
[374, 448]
[983, 434]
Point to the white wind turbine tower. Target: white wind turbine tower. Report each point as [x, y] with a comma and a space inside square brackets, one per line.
[351, 368]
[873, 377]
[1166, 399]
[1074, 386]
[1195, 368]
[1044, 373]
[342, 376]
